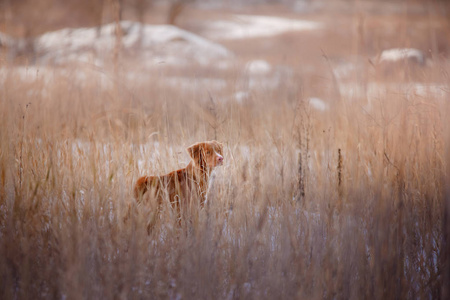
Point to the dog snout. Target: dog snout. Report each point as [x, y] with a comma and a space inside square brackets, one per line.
[219, 158]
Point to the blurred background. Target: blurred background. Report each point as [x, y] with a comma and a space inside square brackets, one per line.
[333, 113]
[335, 48]
[321, 42]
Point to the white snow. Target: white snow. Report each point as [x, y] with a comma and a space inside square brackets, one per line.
[14, 44]
[152, 44]
[46, 75]
[318, 104]
[258, 67]
[436, 91]
[247, 26]
[344, 70]
[196, 84]
[376, 90]
[29, 73]
[241, 96]
[399, 54]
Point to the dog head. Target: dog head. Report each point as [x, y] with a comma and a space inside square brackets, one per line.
[207, 154]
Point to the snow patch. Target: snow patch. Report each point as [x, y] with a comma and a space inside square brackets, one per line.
[150, 44]
[399, 54]
[318, 104]
[373, 91]
[241, 96]
[258, 67]
[246, 26]
[196, 84]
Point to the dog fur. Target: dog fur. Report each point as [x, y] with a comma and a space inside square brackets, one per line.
[183, 186]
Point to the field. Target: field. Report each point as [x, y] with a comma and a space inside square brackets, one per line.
[335, 183]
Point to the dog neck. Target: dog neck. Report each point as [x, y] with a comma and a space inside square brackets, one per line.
[202, 172]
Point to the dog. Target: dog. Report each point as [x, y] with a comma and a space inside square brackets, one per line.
[186, 185]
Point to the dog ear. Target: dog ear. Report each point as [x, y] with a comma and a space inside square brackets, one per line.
[195, 153]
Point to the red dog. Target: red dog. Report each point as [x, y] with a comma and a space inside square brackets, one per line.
[181, 186]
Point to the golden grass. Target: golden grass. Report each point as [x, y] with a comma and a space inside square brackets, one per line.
[289, 215]
[347, 203]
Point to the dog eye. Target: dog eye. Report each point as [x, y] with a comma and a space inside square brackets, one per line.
[208, 152]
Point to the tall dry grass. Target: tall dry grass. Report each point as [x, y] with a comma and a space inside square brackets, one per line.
[345, 203]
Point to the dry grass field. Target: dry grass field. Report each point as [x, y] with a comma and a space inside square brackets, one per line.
[348, 201]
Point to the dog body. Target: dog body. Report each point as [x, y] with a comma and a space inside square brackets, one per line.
[186, 185]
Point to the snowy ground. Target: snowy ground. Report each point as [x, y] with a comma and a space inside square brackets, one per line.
[152, 44]
[147, 49]
[246, 27]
